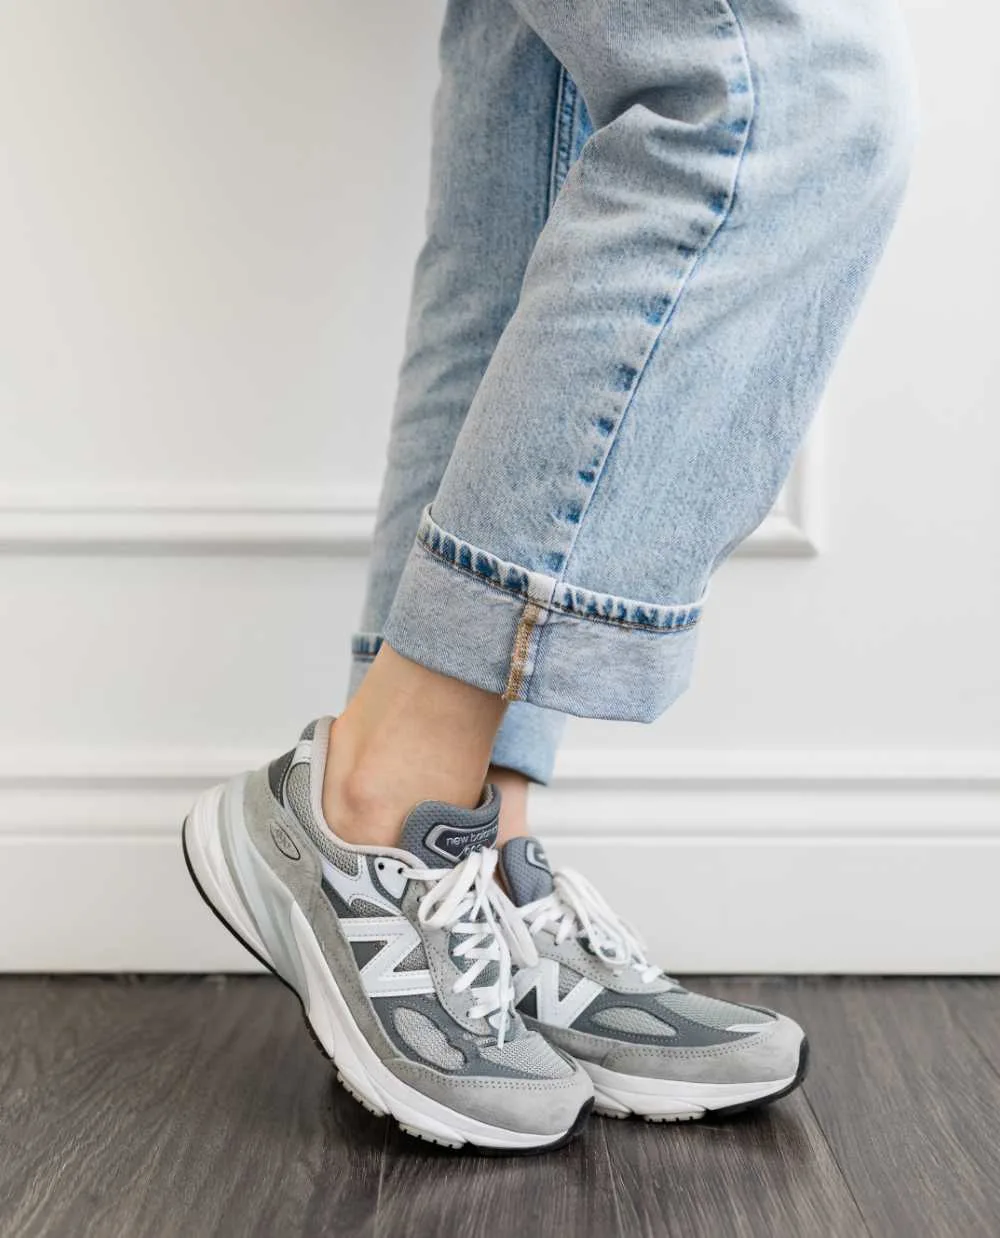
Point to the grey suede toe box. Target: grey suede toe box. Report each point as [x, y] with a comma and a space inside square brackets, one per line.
[771, 1054]
[546, 1107]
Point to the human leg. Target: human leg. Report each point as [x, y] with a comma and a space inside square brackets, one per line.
[778, 140]
[677, 321]
[508, 122]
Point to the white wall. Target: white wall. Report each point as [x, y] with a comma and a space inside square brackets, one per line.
[208, 214]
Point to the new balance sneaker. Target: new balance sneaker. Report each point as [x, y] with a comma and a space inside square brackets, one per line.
[650, 1047]
[402, 957]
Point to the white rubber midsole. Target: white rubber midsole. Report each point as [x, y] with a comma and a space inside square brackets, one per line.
[276, 913]
[617, 1093]
[203, 842]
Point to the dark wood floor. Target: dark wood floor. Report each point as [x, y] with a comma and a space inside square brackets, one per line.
[196, 1107]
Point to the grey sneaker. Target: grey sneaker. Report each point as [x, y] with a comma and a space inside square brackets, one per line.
[402, 957]
[650, 1047]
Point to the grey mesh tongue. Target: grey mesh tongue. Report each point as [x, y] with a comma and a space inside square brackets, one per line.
[440, 834]
[526, 870]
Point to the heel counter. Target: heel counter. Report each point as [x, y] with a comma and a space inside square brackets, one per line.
[278, 836]
[277, 772]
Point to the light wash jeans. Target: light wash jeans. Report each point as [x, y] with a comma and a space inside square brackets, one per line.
[650, 224]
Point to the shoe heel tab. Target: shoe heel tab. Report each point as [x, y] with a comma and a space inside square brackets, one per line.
[317, 726]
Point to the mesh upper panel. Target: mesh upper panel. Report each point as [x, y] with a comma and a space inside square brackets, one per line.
[567, 979]
[634, 1021]
[426, 1039]
[709, 1011]
[416, 960]
[344, 860]
[528, 882]
[299, 800]
[489, 975]
[530, 1054]
[362, 907]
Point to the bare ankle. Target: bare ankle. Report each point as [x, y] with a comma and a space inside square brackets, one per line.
[513, 787]
[407, 735]
[354, 804]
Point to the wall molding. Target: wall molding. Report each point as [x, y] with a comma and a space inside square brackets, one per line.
[792, 527]
[666, 794]
[270, 521]
[188, 522]
[727, 861]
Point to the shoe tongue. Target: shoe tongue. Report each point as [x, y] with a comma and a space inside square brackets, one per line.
[526, 870]
[441, 835]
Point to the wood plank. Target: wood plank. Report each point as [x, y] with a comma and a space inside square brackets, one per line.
[975, 1005]
[769, 1172]
[40, 1023]
[198, 1107]
[909, 1105]
[429, 1192]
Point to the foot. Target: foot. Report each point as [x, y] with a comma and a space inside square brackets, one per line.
[401, 956]
[651, 1048]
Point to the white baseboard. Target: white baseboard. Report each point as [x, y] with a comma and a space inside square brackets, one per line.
[727, 862]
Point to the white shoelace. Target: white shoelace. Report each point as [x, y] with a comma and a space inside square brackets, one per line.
[575, 909]
[465, 900]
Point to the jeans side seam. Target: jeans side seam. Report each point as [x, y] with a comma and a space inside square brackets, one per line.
[668, 318]
[562, 134]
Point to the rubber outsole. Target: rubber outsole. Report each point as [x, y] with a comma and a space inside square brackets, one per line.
[468, 1149]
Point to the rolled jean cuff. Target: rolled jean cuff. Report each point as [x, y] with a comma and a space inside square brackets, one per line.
[530, 637]
[528, 737]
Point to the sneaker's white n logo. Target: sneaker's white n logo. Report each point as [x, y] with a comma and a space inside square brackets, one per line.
[544, 979]
[398, 938]
[396, 934]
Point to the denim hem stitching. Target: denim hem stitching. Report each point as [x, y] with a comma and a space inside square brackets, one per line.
[365, 645]
[579, 603]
